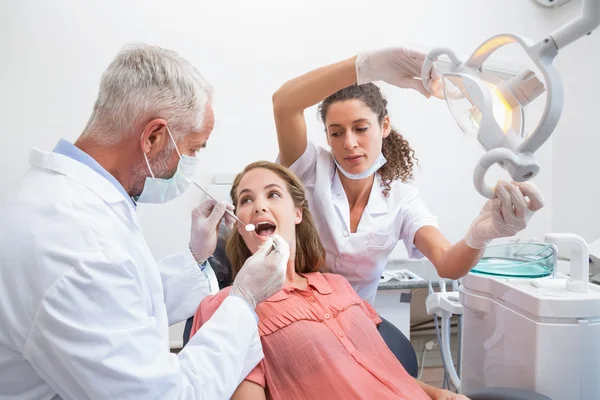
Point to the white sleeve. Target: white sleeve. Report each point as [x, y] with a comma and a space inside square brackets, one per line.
[305, 167]
[95, 336]
[416, 215]
[184, 285]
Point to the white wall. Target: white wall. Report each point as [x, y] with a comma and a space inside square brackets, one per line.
[53, 54]
[576, 147]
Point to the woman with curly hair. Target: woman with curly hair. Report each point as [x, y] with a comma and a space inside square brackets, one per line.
[358, 191]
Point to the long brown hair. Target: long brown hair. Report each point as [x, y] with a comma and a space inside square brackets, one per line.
[310, 254]
[396, 150]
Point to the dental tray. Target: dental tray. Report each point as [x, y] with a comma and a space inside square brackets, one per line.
[402, 275]
[520, 260]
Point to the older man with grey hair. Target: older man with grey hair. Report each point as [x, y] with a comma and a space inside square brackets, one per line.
[86, 308]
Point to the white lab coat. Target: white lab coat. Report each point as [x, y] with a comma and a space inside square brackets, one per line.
[361, 256]
[85, 308]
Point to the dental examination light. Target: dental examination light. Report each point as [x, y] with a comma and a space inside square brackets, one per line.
[491, 109]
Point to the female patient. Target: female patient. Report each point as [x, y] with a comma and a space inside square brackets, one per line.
[319, 338]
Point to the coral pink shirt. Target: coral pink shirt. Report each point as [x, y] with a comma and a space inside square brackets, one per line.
[322, 343]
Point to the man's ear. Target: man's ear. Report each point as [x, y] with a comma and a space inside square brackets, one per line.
[155, 137]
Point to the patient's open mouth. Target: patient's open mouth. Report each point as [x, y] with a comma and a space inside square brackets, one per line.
[265, 228]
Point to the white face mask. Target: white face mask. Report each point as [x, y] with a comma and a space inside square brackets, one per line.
[159, 191]
[366, 173]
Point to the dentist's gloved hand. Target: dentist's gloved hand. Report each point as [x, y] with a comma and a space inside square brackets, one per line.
[263, 274]
[398, 66]
[505, 215]
[205, 227]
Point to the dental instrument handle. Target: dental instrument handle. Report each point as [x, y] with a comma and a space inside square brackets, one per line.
[249, 227]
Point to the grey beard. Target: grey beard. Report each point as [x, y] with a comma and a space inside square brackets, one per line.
[159, 167]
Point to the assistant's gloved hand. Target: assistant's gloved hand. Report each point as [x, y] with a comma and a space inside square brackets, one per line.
[263, 274]
[398, 66]
[505, 215]
[205, 227]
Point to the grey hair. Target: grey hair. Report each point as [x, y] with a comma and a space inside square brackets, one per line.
[145, 82]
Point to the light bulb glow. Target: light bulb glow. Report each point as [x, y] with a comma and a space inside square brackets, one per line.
[501, 109]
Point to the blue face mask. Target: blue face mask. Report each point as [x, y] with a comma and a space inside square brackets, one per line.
[159, 191]
[366, 173]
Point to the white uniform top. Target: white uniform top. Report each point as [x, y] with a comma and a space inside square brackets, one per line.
[360, 257]
[85, 307]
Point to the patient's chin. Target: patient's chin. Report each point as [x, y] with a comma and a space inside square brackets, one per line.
[251, 244]
[254, 243]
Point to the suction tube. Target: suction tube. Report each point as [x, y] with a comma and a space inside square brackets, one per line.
[446, 354]
[443, 338]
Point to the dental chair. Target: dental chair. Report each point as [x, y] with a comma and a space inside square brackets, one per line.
[399, 345]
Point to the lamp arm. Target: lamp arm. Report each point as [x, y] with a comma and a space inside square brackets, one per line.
[584, 25]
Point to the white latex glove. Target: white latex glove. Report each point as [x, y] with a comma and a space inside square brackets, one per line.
[205, 227]
[263, 274]
[435, 84]
[505, 215]
[398, 66]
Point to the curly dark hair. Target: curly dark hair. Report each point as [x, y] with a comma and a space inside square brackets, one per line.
[396, 150]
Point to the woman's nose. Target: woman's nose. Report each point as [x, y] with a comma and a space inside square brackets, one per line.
[350, 141]
[259, 206]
